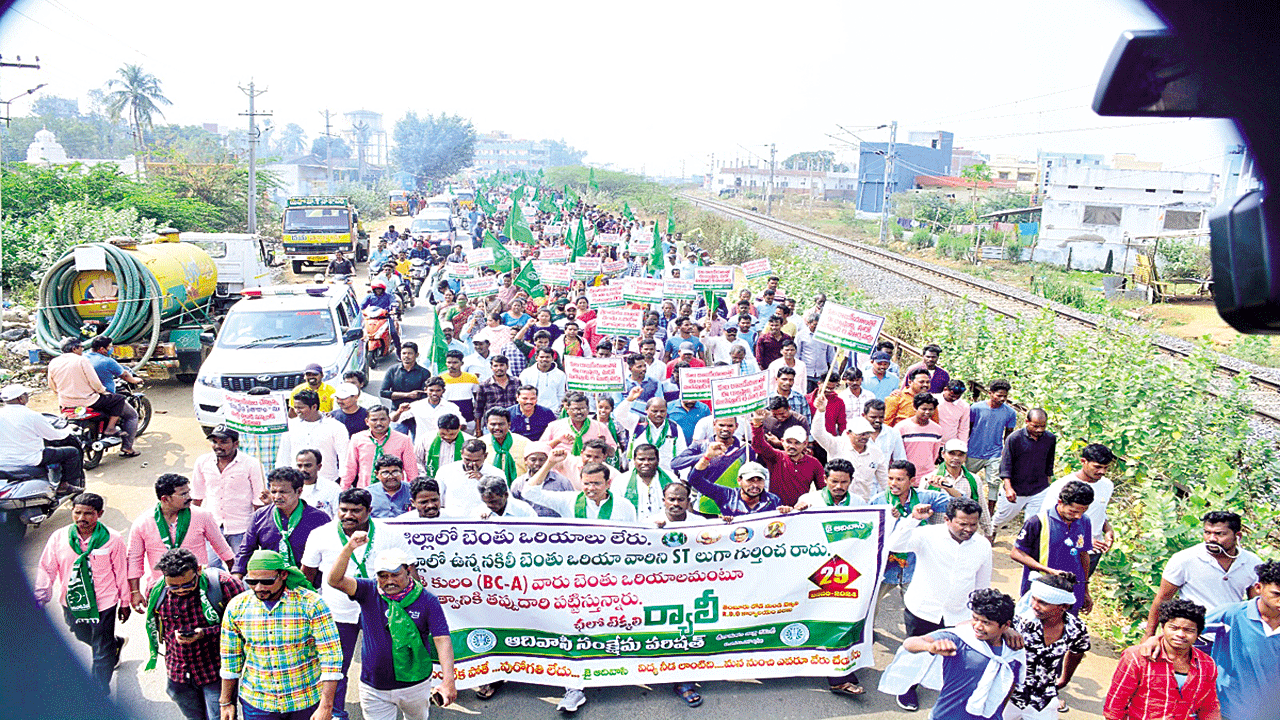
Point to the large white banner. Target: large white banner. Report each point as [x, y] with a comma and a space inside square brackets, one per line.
[556, 603]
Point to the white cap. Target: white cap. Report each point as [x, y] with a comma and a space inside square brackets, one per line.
[753, 469]
[860, 425]
[795, 432]
[955, 444]
[346, 390]
[13, 392]
[391, 560]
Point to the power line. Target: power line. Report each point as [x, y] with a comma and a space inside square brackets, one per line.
[1083, 129]
[97, 27]
[1006, 104]
[16, 10]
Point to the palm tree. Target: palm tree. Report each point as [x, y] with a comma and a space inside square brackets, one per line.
[137, 92]
[293, 140]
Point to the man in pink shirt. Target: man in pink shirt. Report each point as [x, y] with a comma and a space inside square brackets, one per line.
[577, 428]
[172, 523]
[73, 378]
[367, 446]
[953, 413]
[232, 483]
[84, 568]
[921, 436]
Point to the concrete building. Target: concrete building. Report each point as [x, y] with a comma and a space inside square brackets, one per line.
[45, 150]
[1051, 162]
[815, 183]
[309, 175]
[497, 151]
[962, 158]
[925, 153]
[1129, 161]
[1024, 173]
[1091, 212]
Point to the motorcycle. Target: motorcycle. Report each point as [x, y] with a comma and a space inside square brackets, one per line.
[28, 495]
[418, 271]
[377, 334]
[92, 423]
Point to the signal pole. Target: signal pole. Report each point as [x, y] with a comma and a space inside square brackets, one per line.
[888, 183]
[328, 149]
[253, 154]
[773, 154]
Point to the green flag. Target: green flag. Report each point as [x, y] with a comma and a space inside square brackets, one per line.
[671, 218]
[626, 212]
[484, 203]
[436, 353]
[503, 261]
[657, 259]
[578, 247]
[516, 228]
[428, 187]
[547, 204]
[591, 180]
[517, 196]
[450, 188]
[529, 281]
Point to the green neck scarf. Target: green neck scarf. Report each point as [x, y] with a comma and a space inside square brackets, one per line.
[904, 508]
[377, 455]
[155, 628]
[286, 548]
[180, 533]
[580, 508]
[502, 458]
[361, 570]
[941, 471]
[82, 597]
[613, 430]
[664, 437]
[826, 497]
[578, 435]
[633, 486]
[409, 654]
[433, 453]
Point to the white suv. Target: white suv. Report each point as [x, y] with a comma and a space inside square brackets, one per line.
[271, 335]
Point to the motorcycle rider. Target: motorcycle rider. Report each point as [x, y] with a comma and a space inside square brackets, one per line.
[77, 384]
[339, 265]
[106, 366]
[380, 298]
[379, 256]
[22, 435]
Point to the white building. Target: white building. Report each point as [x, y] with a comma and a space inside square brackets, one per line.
[45, 150]
[497, 151]
[1092, 212]
[825, 185]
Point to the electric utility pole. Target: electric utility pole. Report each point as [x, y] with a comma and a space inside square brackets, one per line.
[328, 150]
[773, 154]
[888, 183]
[253, 154]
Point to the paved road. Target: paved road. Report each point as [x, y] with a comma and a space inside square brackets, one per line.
[173, 442]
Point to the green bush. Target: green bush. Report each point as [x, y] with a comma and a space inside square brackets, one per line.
[954, 246]
[1183, 259]
[31, 245]
[921, 238]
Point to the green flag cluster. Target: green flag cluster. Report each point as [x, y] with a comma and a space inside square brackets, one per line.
[626, 212]
[671, 218]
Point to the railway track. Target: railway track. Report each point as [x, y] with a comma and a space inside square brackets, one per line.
[1007, 301]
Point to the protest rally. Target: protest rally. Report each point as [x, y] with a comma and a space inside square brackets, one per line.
[610, 460]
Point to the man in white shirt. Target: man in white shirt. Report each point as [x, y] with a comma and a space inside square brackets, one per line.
[644, 483]
[477, 363]
[788, 359]
[313, 430]
[952, 560]
[323, 545]
[675, 507]
[854, 397]
[870, 466]
[459, 482]
[439, 444]
[426, 411]
[550, 380]
[319, 494]
[22, 435]
[656, 370]
[652, 428]
[886, 438]
[498, 503]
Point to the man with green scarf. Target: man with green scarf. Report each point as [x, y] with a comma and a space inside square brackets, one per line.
[438, 443]
[355, 515]
[839, 476]
[85, 568]
[644, 483]
[280, 652]
[171, 523]
[902, 498]
[577, 428]
[506, 449]
[184, 613]
[405, 634]
[283, 525]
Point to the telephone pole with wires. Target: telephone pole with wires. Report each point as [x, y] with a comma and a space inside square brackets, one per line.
[888, 182]
[773, 155]
[253, 154]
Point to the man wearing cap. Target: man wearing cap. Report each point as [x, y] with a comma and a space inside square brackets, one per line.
[313, 379]
[368, 446]
[281, 656]
[954, 479]
[750, 494]
[478, 361]
[73, 378]
[880, 381]
[535, 456]
[684, 354]
[325, 545]
[792, 472]
[379, 297]
[953, 412]
[232, 482]
[23, 433]
[311, 428]
[870, 466]
[405, 633]
[347, 409]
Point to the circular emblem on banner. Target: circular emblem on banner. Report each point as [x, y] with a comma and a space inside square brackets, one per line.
[482, 641]
[793, 635]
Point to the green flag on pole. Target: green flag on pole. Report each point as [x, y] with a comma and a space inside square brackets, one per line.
[516, 228]
[517, 196]
[671, 218]
[547, 204]
[578, 247]
[503, 261]
[436, 353]
[591, 180]
[657, 259]
[529, 281]
[626, 212]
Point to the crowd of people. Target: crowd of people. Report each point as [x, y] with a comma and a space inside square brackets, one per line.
[497, 433]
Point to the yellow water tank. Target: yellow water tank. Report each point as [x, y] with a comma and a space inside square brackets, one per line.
[187, 277]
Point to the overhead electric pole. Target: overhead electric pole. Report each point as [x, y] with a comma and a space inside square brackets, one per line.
[328, 149]
[253, 154]
[773, 154]
[888, 183]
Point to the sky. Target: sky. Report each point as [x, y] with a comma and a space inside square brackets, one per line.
[659, 86]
